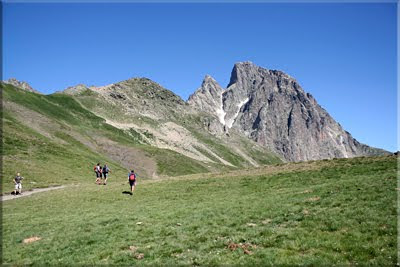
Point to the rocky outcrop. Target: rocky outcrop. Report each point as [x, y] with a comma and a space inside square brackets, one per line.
[208, 98]
[75, 90]
[271, 108]
[21, 84]
[137, 97]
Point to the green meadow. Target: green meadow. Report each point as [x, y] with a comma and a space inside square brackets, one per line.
[341, 212]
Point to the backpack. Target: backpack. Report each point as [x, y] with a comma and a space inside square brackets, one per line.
[132, 177]
[105, 169]
[97, 168]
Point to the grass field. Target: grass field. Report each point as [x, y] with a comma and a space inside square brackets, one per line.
[326, 212]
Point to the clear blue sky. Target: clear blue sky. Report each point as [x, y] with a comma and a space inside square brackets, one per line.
[343, 54]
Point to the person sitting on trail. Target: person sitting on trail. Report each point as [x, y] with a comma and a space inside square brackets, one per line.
[105, 173]
[18, 184]
[97, 170]
[132, 179]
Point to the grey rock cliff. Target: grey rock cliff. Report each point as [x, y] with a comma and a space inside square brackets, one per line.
[208, 98]
[271, 108]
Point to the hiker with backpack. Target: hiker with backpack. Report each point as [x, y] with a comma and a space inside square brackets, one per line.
[105, 172]
[18, 184]
[132, 180]
[97, 170]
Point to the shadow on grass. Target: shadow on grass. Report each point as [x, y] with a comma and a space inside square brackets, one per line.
[127, 192]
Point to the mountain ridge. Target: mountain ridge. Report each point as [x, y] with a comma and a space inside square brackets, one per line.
[271, 108]
[268, 107]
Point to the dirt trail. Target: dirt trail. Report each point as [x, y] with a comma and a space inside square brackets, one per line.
[28, 193]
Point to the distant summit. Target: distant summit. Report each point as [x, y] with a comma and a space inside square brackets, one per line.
[208, 98]
[21, 84]
[271, 108]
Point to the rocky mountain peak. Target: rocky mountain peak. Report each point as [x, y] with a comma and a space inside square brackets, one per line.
[208, 80]
[270, 107]
[211, 86]
[240, 71]
[244, 72]
[208, 98]
[21, 84]
[142, 80]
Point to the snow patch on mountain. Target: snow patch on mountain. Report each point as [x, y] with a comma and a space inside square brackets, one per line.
[239, 107]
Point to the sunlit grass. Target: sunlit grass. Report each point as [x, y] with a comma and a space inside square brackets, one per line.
[337, 212]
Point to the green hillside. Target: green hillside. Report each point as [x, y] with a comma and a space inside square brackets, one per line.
[331, 212]
[69, 142]
[54, 139]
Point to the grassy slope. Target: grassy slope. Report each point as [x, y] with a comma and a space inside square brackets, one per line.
[326, 212]
[43, 160]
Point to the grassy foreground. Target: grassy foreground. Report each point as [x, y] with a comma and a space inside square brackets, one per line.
[328, 212]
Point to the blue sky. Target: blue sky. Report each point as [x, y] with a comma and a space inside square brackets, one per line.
[343, 54]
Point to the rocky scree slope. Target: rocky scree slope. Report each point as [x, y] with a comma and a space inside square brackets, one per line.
[162, 119]
[133, 97]
[271, 108]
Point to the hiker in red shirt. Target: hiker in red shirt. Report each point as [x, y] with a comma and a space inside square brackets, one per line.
[132, 180]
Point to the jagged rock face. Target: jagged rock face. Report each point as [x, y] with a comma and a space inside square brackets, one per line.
[271, 108]
[21, 84]
[208, 98]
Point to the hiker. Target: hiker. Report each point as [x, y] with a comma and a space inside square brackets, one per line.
[105, 173]
[97, 170]
[132, 180]
[18, 184]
